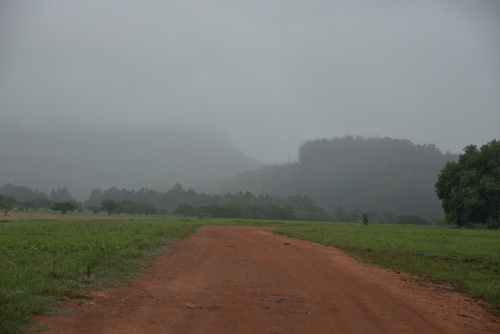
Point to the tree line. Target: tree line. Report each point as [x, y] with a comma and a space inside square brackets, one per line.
[239, 210]
[178, 201]
[233, 205]
[149, 201]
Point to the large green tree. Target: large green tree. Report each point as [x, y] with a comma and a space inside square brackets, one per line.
[470, 188]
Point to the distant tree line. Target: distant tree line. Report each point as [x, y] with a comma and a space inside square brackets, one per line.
[182, 202]
[147, 201]
[190, 203]
[376, 175]
[28, 199]
[387, 217]
[234, 205]
[239, 210]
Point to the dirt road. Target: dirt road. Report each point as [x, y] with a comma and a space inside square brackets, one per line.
[247, 280]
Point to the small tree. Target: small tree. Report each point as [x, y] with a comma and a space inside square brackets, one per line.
[64, 206]
[109, 205]
[365, 218]
[7, 203]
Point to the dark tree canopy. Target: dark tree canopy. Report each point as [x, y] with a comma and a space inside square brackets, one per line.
[470, 188]
[64, 206]
[7, 203]
[109, 205]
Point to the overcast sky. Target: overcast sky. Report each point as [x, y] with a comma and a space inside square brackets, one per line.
[269, 74]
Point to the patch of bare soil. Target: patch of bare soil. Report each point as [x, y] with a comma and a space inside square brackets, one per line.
[247, 280]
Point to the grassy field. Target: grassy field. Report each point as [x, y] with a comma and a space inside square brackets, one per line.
[45, 258]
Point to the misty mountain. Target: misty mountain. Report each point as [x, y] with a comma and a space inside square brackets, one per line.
[56, 154]
[383, 176]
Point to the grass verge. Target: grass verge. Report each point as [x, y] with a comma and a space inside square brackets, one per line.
[462, 260]
[42, 262]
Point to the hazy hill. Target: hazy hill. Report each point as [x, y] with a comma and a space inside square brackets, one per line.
[378, 175]
[52, 155]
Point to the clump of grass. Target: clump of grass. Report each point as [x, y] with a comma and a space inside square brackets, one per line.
[459, 259]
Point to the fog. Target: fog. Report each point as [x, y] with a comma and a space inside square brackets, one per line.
[267, 74]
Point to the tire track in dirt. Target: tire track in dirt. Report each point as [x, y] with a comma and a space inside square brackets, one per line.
[227, 279]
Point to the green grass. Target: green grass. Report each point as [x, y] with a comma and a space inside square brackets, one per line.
[463, 260]
[46, 258]
[42, 262]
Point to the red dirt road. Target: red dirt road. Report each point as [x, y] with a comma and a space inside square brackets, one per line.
[247, 280]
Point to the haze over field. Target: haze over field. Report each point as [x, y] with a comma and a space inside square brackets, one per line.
[268, 74]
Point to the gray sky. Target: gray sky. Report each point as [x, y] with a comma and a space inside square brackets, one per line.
[270, 74]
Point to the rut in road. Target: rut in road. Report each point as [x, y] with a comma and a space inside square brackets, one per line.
[227, 279]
